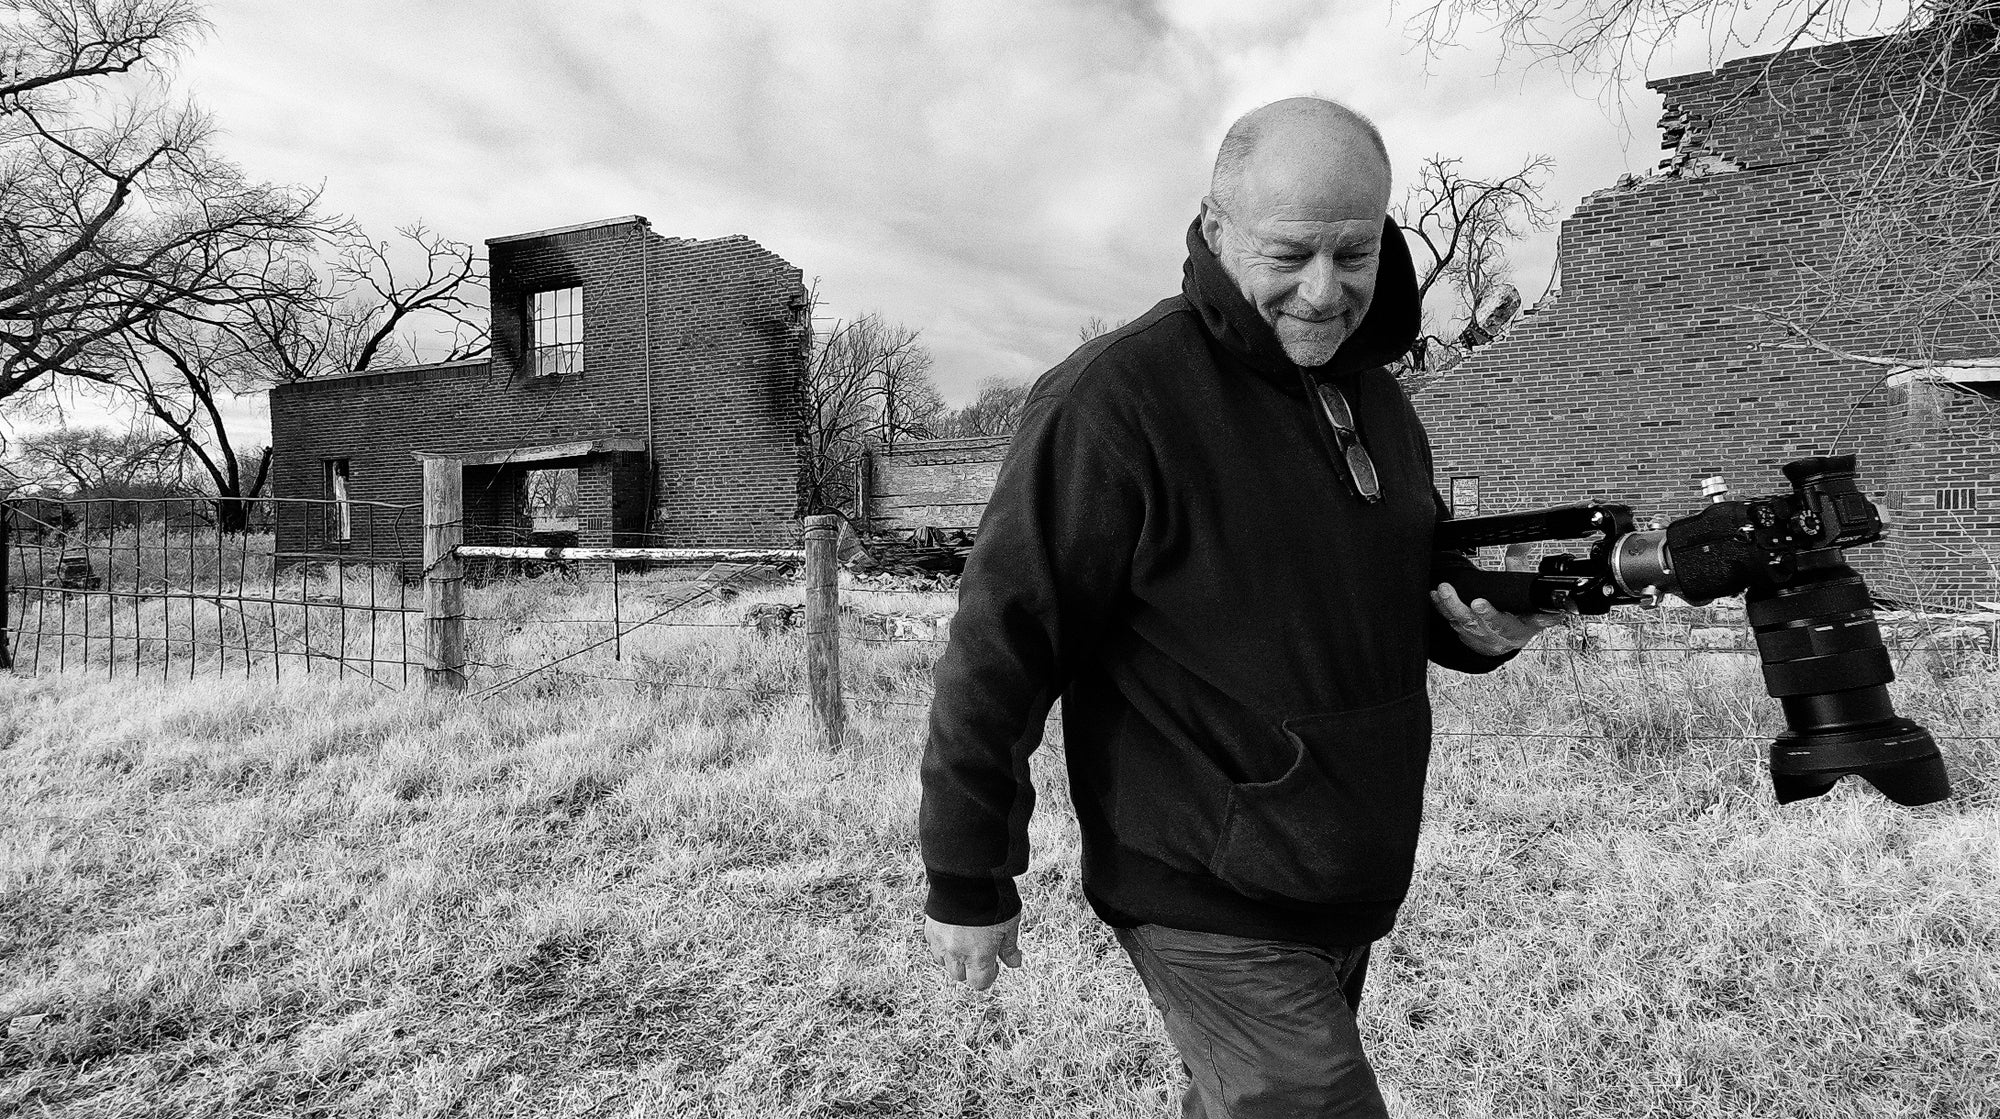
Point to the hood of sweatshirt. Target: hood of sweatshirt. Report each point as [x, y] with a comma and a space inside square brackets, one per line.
[1385, 333]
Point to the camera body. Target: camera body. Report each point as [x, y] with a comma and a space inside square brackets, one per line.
[1814, 621]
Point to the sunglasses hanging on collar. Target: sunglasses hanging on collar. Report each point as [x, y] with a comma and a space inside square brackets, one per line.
[1361, 476]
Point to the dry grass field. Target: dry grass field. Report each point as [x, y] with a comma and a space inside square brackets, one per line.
[318, 897]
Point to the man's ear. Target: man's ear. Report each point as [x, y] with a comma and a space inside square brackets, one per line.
[1211, 225]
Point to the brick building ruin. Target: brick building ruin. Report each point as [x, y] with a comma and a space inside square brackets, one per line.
[641, 390]
[1660, 362]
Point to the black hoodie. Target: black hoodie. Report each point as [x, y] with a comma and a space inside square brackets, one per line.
[1238, 641]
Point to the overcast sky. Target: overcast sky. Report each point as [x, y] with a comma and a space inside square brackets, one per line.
[991, 174]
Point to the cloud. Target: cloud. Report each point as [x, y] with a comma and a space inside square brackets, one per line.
[989, 174]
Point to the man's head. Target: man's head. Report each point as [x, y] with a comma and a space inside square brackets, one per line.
[1295, 216]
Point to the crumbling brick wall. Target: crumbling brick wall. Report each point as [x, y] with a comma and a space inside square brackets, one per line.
[1658, 364]
[702, 337]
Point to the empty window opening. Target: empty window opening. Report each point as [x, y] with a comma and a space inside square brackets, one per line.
[1957, 498]
[340, 513]
[1465, 496]
[555, 332]
[549, 500]
[1976, 380]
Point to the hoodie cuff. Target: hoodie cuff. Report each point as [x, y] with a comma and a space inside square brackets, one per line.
[956, 899]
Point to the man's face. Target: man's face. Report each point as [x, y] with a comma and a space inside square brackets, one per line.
[1303, 246]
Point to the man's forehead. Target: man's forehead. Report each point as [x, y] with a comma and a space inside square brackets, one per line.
[1308, 227]
[1345, 197]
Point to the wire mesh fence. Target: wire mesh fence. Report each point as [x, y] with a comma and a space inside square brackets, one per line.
[156, 589]
[175, 587]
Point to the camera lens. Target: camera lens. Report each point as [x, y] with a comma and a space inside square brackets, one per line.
[1824, 661]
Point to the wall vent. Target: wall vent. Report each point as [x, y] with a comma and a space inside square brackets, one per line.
[1957, 498]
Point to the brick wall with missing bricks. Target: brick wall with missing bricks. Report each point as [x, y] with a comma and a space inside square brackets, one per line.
[721, 322]
[1658, 363]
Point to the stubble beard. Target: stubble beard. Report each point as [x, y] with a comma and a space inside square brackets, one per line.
[1310, 344]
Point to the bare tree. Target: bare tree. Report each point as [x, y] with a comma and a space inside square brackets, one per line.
[910, 404]
[182, 369]
[1620, 39]
[1096, 326]
[181, 374]
[97, 462]
[112, 213]
[1916, 264]
[867, 380]
[351, 318]
[1915, 268]
[50, 42]
[994, 412]
[1458, 227]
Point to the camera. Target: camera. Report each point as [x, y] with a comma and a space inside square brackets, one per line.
[1814, 621]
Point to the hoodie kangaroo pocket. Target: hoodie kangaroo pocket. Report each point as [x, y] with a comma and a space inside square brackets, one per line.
[1340, 826]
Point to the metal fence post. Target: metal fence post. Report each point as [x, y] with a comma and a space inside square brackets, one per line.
[444, 580]
[823, 626]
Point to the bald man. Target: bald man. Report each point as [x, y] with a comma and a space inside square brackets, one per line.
[1212, 540]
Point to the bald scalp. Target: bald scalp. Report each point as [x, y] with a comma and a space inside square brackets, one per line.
[1295, 125]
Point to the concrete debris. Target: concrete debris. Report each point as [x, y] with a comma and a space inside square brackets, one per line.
[1491, 317]
[931, 581]
[848, 545]
[772, 618]
[926, 551]
[1700, 164]
[1692, 158]
[1687, 136]
[903, 626]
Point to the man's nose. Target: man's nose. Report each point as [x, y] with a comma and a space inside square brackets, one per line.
[1320, 283]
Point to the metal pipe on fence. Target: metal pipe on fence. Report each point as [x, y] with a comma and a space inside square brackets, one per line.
[823, 626]
[657, 555]
[444, 574]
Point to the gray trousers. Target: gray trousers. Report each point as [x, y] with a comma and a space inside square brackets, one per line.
[1265, 1027]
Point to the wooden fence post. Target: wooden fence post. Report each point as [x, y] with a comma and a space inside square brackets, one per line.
[823, 626]
[444, 573]
[6, 635]
[864, 487]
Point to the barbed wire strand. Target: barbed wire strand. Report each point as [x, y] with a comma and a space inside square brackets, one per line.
[774, 693]
[703, 592]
